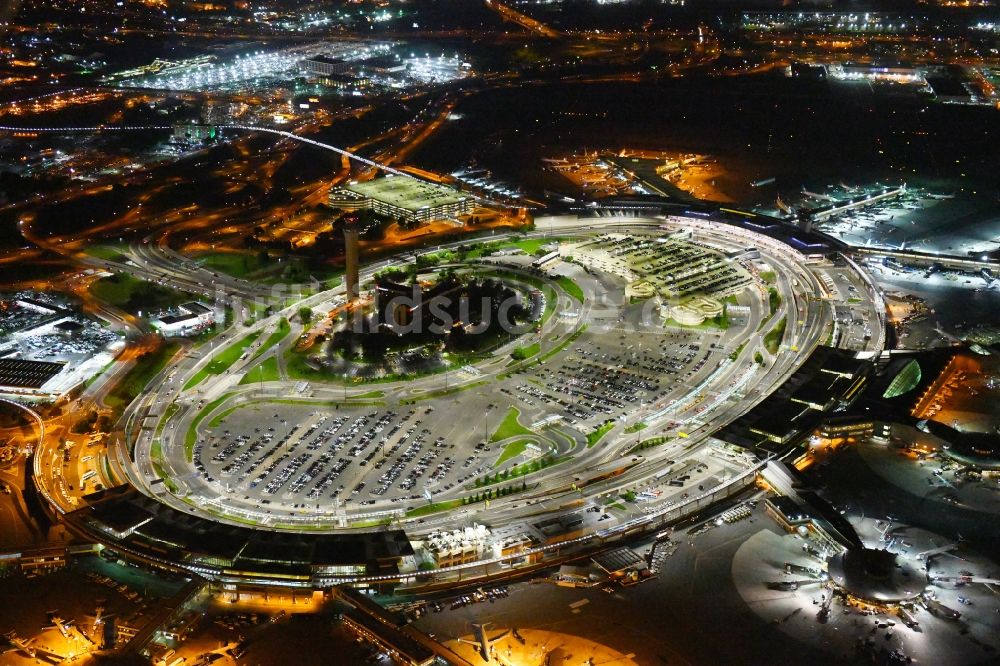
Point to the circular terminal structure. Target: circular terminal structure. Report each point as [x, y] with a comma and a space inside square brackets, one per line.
[876, 576]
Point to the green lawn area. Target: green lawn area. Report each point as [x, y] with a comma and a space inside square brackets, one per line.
[167, 481]
[523, 469]
[237, 264]
[267, 371]
[769, 277]
[139, 376]
[714, 324]
[331, 282]
[223, 361]
[168, 412]
[283, 328]
[773, 299]
[296, 367]
[648, 443]
[772, 341]
[511, 450]
[433, 508]
[550, 304]
[510, 427]
[107, 252]
[530, 245]
[134, 295]
[570, 287]
[598, 433]
[636, 427]
[521, 353]
[268, 269]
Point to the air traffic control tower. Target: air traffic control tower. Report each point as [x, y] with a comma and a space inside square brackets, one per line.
[351, 258]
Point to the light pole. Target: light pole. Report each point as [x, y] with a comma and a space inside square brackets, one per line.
[486, 419]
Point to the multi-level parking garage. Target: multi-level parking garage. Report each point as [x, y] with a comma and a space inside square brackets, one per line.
[602, 429]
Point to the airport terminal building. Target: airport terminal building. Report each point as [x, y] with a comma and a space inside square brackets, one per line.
[408, 199]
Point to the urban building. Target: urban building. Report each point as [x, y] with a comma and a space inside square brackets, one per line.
[326, 65]
[188, 133]
[188, 318]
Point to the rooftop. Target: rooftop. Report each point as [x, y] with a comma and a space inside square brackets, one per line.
[195, 307]
[617, 560]
[407, 193]
[381, 62]
[177, 318]
[330, 60]
[22, 373]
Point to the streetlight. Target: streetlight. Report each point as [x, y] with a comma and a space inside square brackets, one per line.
[486, 418]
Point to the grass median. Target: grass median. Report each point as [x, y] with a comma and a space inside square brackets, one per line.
[570, 287]
[510, 427]
[279, 334]
[191, 437]
[512, 450]
[598, 433]
[433, 508]
[772, 341]
[266, 371]
[140, 375]
[522, 353]
[223, 361]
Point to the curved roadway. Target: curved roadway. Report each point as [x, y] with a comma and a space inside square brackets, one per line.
[724, 394]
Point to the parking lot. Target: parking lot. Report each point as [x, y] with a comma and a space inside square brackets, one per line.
[388, 456]
[48, 342]
[312, 457]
